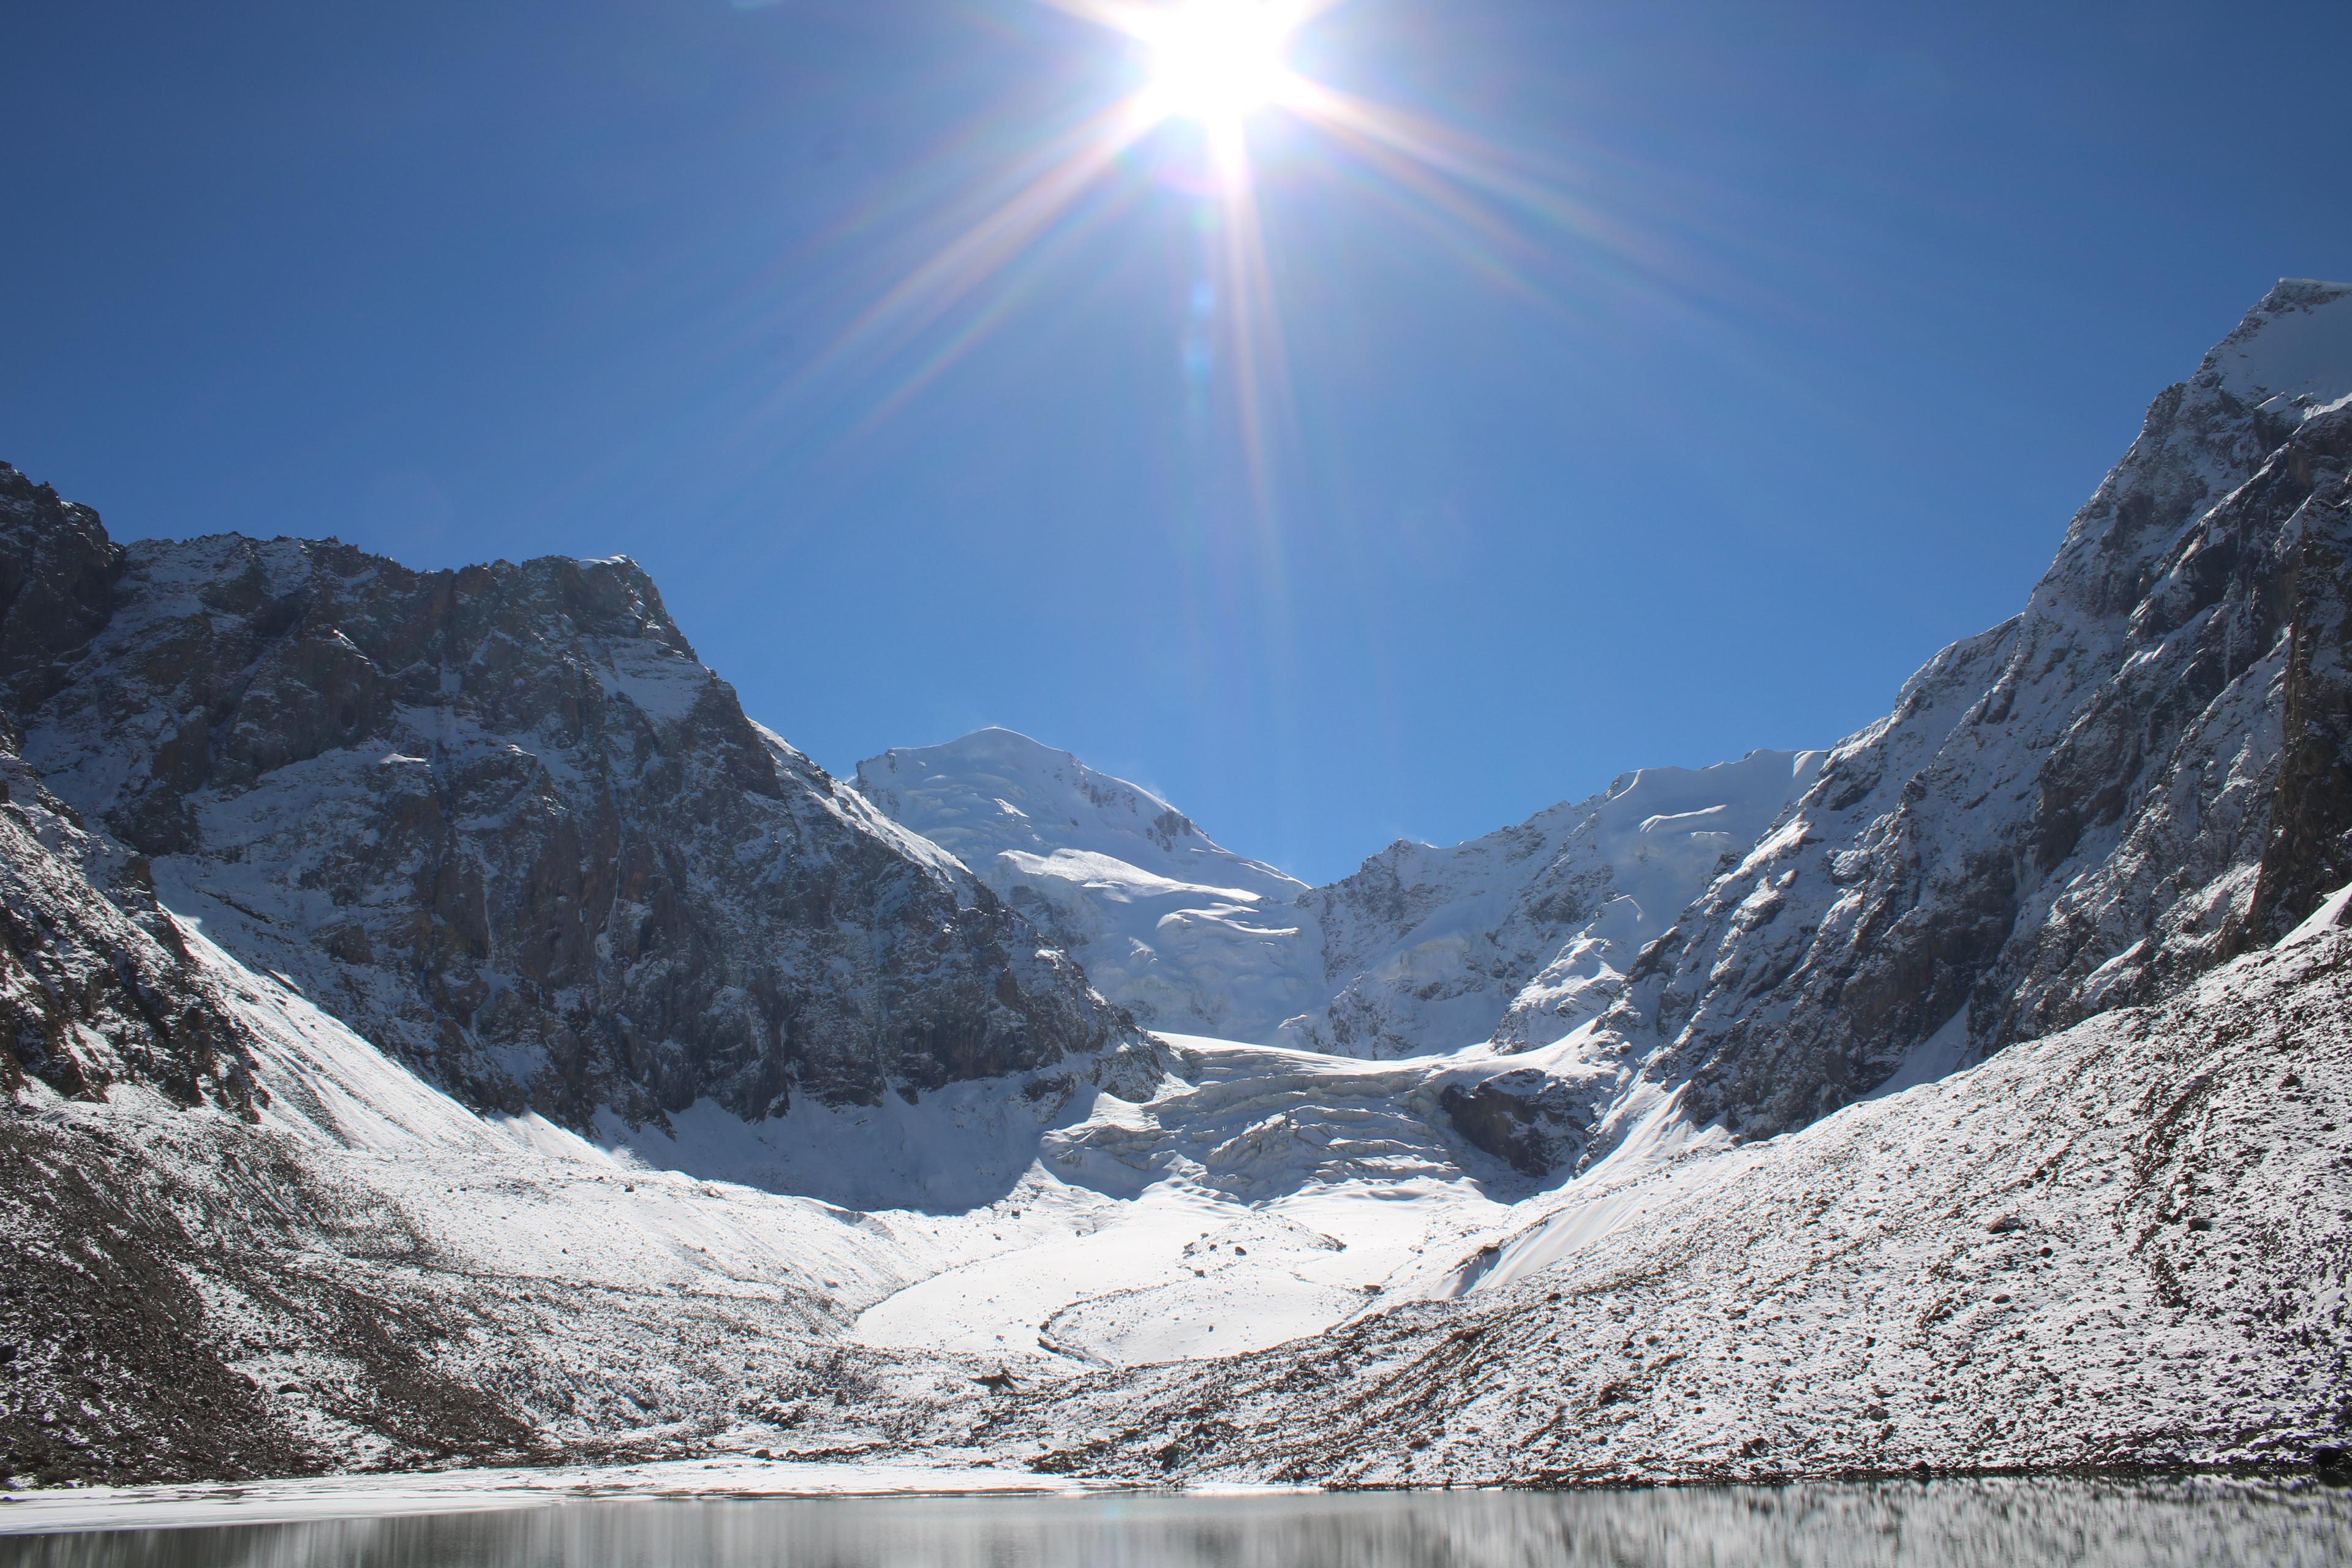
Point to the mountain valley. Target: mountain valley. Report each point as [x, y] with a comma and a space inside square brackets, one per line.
[443, 1028]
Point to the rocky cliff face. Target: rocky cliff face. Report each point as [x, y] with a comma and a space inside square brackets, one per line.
[96, 986]
[504, 822]
[2140, 776]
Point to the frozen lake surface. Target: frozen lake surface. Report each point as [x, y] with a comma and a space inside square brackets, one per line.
[1943, 1523]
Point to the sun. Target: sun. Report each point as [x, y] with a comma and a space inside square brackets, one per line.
[1219, 70]
[1217, 62]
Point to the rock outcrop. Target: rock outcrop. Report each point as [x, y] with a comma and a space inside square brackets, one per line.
[96, 986]
[2139, 777]
[506, 824]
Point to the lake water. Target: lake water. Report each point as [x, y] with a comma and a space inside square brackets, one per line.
[1946, 1524]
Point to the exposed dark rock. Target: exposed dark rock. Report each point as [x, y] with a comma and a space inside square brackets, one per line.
[96, 991]
[1525, 1119]
[57, 586]
[504, 822]
[2083, 808]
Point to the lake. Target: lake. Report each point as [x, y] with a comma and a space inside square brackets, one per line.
[1943, 1523]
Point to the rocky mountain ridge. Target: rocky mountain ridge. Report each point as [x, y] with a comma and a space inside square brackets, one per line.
[2139, 777]
[504, 822]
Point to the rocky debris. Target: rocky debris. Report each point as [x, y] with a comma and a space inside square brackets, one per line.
[2003, 1270]
[503, 821]
[120, 1372]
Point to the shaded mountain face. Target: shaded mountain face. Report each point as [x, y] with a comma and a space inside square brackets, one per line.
[504, 822]
[2139, 777]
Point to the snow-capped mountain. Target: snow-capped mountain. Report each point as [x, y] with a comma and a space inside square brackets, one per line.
[1181, 932]
[239, 1239]
[1529, 930]
[351, 916]
[1422, 950]
[2139, 777]
[505, 822]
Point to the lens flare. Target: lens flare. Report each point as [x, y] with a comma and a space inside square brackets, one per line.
[1218, 69]
[1216, 62]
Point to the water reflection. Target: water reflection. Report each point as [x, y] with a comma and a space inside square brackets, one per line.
[1941, 1524]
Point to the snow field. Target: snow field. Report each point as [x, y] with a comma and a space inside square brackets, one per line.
[649, 1283]
[2123, 1243]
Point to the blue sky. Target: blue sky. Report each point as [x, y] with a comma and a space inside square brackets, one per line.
[1812, 326]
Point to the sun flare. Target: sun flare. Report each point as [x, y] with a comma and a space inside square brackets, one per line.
[1222, 74]
[1217, 62]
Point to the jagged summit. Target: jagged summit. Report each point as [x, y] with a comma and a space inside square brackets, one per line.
[1423, 949]
[2136, 779]
[2295, 345]
[504, 821]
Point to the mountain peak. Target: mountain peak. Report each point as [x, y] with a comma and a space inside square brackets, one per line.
[997, 791]
[2296, 344]
[1120, 879]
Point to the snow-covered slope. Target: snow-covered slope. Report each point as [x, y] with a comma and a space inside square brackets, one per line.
[505, 822]
[353, 1269]
[2129, 1243]
[1184, 933]
[1423, 949]
[240, 1239]
[2123, 1243]
[368, 1273]
[1526, 932]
